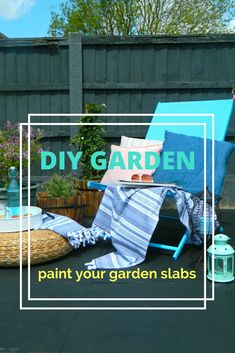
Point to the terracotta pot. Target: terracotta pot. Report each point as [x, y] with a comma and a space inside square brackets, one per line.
[72, 207]
[93, 197]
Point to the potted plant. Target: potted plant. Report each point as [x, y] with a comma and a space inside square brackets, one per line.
[89, 139]
[60, 196]
[10, 156]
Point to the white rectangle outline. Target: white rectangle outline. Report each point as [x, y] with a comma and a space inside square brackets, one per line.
[99, 298]
[92, 298]
[112, 298]
[124, 299]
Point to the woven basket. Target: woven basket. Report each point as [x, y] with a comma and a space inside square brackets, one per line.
[45, 245]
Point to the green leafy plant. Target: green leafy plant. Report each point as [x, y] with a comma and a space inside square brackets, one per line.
[89, 139]
[60, 186]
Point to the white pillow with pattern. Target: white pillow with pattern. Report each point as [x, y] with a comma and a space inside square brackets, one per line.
[135, 142]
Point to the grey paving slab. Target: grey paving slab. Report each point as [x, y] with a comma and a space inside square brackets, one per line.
[210, 331]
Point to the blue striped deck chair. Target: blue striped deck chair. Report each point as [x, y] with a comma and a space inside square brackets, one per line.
[186, 113]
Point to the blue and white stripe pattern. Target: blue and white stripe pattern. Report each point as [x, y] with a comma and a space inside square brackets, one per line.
[76, 234]
[130, 216]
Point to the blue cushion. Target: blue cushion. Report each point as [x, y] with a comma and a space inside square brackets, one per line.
[193, 180]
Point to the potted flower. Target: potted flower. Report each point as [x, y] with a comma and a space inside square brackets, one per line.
[60, 196]
[89, 139]
[10, 156]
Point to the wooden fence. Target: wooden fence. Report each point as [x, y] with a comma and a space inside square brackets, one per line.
[128, 74]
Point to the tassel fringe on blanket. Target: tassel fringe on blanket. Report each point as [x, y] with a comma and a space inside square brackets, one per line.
[76, 234]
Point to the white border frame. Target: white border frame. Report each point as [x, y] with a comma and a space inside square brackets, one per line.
[204, 299]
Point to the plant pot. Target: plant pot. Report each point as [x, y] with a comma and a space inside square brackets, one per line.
[33, 191]
[93, 197]
[72, 207]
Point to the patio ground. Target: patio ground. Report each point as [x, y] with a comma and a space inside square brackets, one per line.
[131, 331]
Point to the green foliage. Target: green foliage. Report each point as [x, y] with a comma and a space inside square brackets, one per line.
[60, 186]
[89, 139]
[144, 17]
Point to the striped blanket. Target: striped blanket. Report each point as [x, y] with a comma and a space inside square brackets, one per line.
[130, 216]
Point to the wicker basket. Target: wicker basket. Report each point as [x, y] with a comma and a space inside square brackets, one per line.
[45, 245]
[93, 198]
[72, 207]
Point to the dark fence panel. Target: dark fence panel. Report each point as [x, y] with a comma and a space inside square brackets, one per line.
[34, 78]
[128, 74]
[134, 74]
